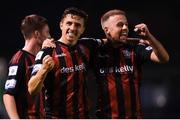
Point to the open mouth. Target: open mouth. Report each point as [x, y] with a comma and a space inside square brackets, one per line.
[124, 34]
[123, 37]
[71, 34]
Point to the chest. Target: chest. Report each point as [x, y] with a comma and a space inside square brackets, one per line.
[117, 57]
[116, 61]
[69, 61]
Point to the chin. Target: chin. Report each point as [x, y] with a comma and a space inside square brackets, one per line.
[120, 40]
[72, 41]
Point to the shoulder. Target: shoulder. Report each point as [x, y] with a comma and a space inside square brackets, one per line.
[145, 47]
[43, 52]
[86, 39]
[17, 57]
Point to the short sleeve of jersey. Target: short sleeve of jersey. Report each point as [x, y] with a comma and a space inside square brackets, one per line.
[38, 60]
[15, 75]
[143, 52]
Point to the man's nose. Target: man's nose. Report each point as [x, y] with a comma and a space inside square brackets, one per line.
[125, 26]
[73, 27]
[49, 36]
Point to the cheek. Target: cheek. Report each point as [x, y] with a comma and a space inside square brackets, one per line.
[80, 31]
[117, 32]
[48, 35]
[65, 30]
[114, 33]
[42, 38]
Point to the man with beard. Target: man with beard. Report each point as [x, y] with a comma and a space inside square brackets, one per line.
[118, 66]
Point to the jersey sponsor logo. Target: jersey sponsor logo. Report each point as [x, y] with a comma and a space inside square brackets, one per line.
[122, 70]
[10, 84]
[36, 68]
[13, 70]
[74, 68]
[149, 48]
[39, 55]
[61, 55]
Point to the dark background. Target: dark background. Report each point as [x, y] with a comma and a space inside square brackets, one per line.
[160, 83]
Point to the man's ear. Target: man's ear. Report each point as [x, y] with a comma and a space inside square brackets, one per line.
[106, 30]
[60, 25]
[36, 33]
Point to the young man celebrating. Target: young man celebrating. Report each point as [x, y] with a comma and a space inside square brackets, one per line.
[65, 79]
[119, 65]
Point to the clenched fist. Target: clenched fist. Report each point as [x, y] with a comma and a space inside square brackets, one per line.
[48, 63]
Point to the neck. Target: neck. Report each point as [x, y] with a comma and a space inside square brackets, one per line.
[116, 45]
[31, 46]
[69, 43]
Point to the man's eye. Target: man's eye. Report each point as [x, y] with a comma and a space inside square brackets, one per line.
[77, 25]
[120, 24]
[68, 23]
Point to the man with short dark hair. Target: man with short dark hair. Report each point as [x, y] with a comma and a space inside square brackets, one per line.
[65, 82]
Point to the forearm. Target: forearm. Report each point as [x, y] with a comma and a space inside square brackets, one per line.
[10, 106]
[159, 52]
[35, 84]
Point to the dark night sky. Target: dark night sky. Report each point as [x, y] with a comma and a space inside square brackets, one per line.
[162, 18]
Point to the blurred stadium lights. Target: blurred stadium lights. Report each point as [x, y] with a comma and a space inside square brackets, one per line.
[160, 96]
[154, 96]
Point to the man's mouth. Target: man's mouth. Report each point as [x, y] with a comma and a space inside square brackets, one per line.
[124, 36]
[71, 34]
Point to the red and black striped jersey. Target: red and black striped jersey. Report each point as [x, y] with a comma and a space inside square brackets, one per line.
[118, 78]
[20, 68]
[65, 84]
